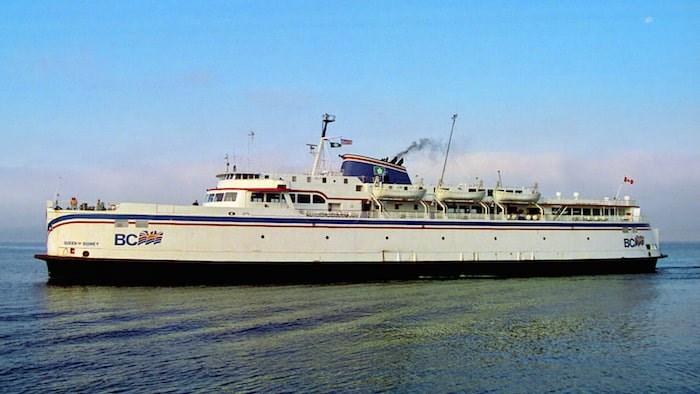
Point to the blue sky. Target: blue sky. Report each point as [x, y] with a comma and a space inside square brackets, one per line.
[140, 101]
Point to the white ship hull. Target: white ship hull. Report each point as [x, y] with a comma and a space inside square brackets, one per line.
[239, 244]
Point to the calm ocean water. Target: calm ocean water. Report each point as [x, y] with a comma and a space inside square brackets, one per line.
[610, 333]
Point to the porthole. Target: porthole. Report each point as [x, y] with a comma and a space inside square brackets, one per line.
[262, 236]
[86, 253]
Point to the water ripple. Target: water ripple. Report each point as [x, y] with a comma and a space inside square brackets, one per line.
[615, 333]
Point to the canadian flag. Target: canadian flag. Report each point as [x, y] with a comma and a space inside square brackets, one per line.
[629, 180]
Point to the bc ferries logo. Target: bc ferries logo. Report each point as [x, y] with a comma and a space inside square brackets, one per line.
[143, 238]
[636, 241]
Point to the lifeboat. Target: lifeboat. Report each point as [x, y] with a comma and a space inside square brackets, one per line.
[398, 192]
[517, 196]
[460, 193]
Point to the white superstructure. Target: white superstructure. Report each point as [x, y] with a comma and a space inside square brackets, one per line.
[366, 221]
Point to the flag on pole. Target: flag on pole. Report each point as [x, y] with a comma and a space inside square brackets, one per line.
[344, 141]
[629, 180]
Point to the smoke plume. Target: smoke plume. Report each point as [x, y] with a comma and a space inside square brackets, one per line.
[434, 146]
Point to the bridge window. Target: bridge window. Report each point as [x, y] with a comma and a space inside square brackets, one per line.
[304, 198]
[257, 197]
[318, 199]
[231, 196]
[272, 197]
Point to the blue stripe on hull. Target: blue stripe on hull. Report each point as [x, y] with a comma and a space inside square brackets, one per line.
[408, 223]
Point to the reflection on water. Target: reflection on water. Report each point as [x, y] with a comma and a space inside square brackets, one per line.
[610, 333]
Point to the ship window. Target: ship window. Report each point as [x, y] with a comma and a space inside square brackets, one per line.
[318, 199]
[303, 198]
[256, 197]
[121, 223]
[358, 188]
[345, 181]
[142, 223]
[267, 177]
[272, 197]
[308, 179]
[210, 197]
[294, 178]
[230, 196]
[397, 206]
[596, 211]
[323, 180]
[292, 197]
[219, 197]
[575, 211]
[415, 207]
[586, 212]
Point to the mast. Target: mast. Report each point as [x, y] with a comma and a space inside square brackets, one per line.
[447, 153]
[327, 118]
[58, 185]
[251, 136]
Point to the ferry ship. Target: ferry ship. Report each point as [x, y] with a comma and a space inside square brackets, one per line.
[367, 221]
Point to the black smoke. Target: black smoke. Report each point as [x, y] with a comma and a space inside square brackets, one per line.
[432, 145]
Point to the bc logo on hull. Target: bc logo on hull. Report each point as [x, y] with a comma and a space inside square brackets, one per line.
[636, 241]
[143, 238]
